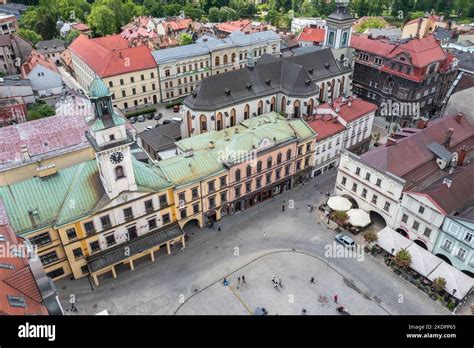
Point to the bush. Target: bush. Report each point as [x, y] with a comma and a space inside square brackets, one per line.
[451, 305]
[140, 112]
[174, 102]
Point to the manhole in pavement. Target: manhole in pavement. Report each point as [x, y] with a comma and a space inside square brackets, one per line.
[95, 305]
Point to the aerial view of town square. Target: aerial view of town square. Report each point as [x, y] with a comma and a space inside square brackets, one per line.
[193, 159]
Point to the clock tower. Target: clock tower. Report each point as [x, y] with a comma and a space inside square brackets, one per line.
[111, 142]
[339, 30]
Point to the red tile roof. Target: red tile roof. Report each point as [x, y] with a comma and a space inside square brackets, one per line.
[232, 26]
[451, 198]
[312, 35]
[18, 281]
[422, 52]
[410, 158]
[326, 126]
[45, 137]
[178, 23]
[81, 27]
[35, 58]
[111, 55]
[351, 109]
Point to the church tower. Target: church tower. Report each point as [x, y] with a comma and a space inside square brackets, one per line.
[111, 141]
[339, 30]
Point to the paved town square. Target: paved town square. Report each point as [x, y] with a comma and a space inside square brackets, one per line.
[189, 282]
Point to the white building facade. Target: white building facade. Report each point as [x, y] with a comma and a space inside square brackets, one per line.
[298, 24]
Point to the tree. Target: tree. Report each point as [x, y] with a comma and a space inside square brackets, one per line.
[72, 35]
[154, 8]
[272, 17]
[462, 7]
[73, 10]
[439, 284]
[172, 10]
[30, 35]
[39, 110]
[28, 19]
[193, 12]
[416, 15]
[370, 23]
[100, 20]
[185, 39]
[213, 15]
[403, 258]
[340, 217]
[370, 237]
[46, 24]
[306, 8]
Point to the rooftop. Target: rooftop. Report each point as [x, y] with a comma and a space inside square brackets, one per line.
[326, 126]
[421, 161]
[349, 109]
[312, 34]
[111, 55]
[236, 39]
[293, 76]
[34, 59]
[54, 45]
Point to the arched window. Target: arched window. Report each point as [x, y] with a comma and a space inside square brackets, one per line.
[233, 118]
[321, 92]
[279, 157]
[246, 111]
[217, 61]
[260, 108]
[341, 86]
[288, 155]
[309, 109]
[272, 104]
[259, 166]
[249, 170]
[269, 162]
[283, 104]
[219, 122]
[237, 175]
[233, 57]
[203, 122]
[119, 173]
[225, 59]
[296, 109]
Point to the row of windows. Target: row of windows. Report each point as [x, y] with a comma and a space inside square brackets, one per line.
[364, 193]
[416, 225]
[134, 91]
[132, 79]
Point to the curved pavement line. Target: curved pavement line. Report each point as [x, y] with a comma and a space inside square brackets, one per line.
[277, 252]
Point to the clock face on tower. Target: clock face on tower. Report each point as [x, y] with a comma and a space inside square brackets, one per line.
[116, 157]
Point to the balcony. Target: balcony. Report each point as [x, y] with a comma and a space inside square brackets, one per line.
[129, 218]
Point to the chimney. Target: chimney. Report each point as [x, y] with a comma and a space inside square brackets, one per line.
[448, 182]
[459, 117]
[462, 155]
[447, 137]
[421, 124]
[390, 142]
[24, 153]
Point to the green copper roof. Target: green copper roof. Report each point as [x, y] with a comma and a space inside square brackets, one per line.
[100, 123]
[256, 133]
[98, 89]
[182, 170]
[66, 196]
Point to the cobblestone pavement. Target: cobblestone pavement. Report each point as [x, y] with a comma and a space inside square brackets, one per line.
[190, 281]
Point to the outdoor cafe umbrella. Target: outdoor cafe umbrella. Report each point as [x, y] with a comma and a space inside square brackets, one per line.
[358, 218]
[339, 203]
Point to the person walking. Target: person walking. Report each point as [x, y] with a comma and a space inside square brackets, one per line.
[279, 282]
[273, 280]
[335, 298]
[238, 280]
[243, 279]
[283, 206]
[275, 286]
[311, 280]
[219, 227]
[264, 235]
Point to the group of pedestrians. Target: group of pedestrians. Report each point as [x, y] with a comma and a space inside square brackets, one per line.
[277, 284]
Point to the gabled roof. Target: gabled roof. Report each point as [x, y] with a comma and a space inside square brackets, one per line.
[312, 34]
[350, 109]
[326, 127]
[422, 52]
[421, 161]
[51, 45]
[111, 56]
[34, 59]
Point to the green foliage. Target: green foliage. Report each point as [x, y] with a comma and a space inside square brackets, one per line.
[403, 258]
[415, 15]
[340, 217]
[172, 9]
[39, 110]
[72, 35]
[370, 236]
[140, 112]
[439, 283]
[185, 39]
[100, 20]
[213, 15]
[154, 8]
[195, 13]
[30, 35]
[370, 23]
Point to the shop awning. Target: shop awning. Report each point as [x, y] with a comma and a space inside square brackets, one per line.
[422, 261]
[455, 279]
[392, 241]
[339, 203]
[358, 218]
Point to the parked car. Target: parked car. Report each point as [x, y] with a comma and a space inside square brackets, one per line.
[176, 108]
[149, 116]
[158, 117]
[141, 118]
[148, 127]
[177, 119]
[345, 240]
[167, 121]
[133, 119]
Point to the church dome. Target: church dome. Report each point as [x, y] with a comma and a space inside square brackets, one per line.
[98, 89]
